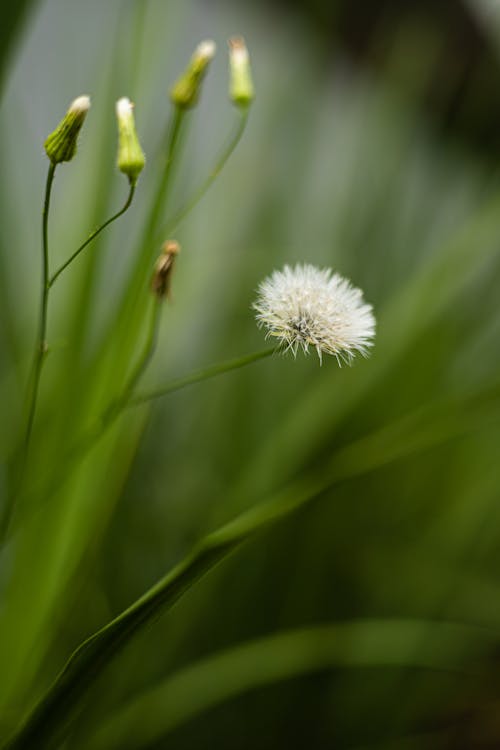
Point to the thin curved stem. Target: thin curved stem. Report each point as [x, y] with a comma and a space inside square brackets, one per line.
[219, 166]
[91, 237]
[127, 399]
[41, 344]
[109, 416]
[199, 375]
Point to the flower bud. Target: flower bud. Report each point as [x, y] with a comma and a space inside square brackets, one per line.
[131, 159]
[186, 90]
[61, 144]
[241, 91]
[162, 276]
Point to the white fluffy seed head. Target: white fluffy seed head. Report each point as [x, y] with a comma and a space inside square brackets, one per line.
[307, 306]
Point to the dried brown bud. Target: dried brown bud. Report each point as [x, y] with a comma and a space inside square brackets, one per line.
[162, 276]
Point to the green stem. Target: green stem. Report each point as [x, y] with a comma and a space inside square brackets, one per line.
[158, 207]
[115, 408]
[125, 321]
[147, 352]
[94, 234]
[109, 416]
[39, 356]
[199, 375]
[126, 399]
[219, 166]
[41, 344]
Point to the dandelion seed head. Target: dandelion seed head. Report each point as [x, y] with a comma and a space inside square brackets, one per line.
[307, 306]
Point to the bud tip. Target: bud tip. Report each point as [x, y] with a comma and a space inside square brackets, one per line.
[206, 50]
[124, 107]
[81, 104]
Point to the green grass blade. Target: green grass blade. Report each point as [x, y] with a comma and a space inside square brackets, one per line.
[52, 716]
[13, 17]
[287, 655]
[59, 705]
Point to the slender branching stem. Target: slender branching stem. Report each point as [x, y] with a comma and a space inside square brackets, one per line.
[41, 343]
[198, 194]
[200, 375]
[127, 399]
[92, 236]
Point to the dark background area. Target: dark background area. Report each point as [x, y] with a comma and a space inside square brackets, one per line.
[453, 77]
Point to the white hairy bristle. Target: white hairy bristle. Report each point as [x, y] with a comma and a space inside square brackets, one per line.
[307, 306]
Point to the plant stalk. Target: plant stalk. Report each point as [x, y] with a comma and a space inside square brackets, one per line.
[92, 236]
[41, 344]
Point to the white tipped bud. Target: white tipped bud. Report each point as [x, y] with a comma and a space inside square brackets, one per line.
[241, 90]
[186, 90]
[61, 144]
[131, 159]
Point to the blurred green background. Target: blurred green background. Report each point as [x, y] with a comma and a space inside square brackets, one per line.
[372, 148]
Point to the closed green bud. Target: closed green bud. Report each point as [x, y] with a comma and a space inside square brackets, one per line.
[186, 90]
[241, 91]
[131, 159]
[61, 144]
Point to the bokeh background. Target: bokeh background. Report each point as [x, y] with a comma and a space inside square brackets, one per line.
[372, 148]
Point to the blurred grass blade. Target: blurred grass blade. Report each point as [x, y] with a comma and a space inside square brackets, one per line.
[46, 725]
[58, 707]
[287, 655]
[201, 191]
[427, 427]
[13, 17]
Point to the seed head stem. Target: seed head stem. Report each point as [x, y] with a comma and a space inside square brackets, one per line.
[199, 375]
[217, 169]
